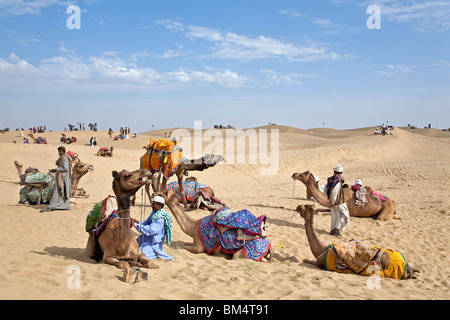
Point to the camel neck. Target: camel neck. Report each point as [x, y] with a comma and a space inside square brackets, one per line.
[187, 223]
[320, 196]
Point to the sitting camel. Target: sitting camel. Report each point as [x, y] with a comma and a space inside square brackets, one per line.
[79, 169]
[206, 233]
[197, 195]
[116, 245]
[186, 165]
[105, 152]
[354, 257]
[384, 209]
[38, 140]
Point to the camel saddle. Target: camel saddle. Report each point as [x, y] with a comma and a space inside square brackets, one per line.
[232, 231]
[162, 155]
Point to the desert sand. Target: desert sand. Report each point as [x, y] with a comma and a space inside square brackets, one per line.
[412, 167]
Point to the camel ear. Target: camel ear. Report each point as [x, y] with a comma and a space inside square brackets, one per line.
[115, 175]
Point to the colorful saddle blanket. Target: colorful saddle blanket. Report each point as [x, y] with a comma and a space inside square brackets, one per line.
[364, 259]
[36, 194]
[232, 231]
[38, 187]
[191, 189]
[162, 155]
[378, 196]
[100, 213]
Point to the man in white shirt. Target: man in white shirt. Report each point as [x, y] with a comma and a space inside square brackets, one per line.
[340, 216]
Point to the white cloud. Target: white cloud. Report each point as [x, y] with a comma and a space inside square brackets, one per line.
[228, 45]
[98, 71]
[292, 13]
[443, 63]
[422, 15]
[394, 69]
[21, 7]
[276, 78]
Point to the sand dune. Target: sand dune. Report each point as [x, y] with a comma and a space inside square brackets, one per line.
[409, 166]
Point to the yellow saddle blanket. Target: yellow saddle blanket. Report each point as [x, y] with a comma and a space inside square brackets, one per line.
[162, 155]
[361, 258]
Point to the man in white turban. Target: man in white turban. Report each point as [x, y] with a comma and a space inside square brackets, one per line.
[340, 216]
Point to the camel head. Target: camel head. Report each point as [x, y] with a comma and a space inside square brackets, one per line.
[81, 168]
[211, 160]
[304, 177]
[306, 211]
[127, 183]
[410, 271]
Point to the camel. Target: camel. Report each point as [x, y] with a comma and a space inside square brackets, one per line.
[384, 210]
[79, 169]
[22, 175]
[105, 152]
[198, 195]
[38, 140]
[116, 245]
[191, 227]
[364, 260]
[186, 165]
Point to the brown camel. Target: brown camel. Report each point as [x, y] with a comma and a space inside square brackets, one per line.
[22, 175]
[191, 227]
[388, 262]
[79, 169]
[38, 140]
[105, 152]
[204, 198]
[116, 245]
[385, 210]
[200, 164]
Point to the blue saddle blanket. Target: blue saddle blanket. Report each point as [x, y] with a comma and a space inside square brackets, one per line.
[232, 231]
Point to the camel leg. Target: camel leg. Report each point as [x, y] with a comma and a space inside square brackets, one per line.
[194, 248]
[116, 262]
[147, 191]
[238, 254]
[90, 248]
[183, 195]
[386, 213]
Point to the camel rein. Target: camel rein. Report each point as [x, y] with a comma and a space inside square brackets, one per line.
[259, 180]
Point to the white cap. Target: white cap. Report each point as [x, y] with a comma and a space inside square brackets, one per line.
[358, 181]
[338, 168]
[159, 199]
[316, 178]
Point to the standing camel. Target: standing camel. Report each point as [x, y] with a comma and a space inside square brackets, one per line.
[353, 257]
[116, 243]
[385, 210]
[180, 171]
[257, 247]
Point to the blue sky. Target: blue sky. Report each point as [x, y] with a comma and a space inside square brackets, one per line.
[241, 62]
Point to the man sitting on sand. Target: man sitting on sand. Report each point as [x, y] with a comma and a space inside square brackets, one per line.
[154, 230]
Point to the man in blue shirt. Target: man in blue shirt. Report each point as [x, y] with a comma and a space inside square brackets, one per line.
[154, 230]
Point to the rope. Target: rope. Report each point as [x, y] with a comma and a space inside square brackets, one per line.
[259, 180]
